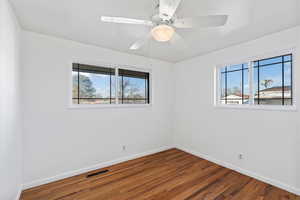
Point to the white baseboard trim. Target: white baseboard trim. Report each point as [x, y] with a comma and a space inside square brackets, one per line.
[18, 197]
[91, 168]
[243, 171]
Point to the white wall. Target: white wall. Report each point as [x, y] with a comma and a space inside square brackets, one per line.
[57, 139]
[268, 139]
[10, 125]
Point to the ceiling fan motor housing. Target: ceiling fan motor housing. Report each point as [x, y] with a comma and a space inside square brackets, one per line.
[162, 18]
[158, 20]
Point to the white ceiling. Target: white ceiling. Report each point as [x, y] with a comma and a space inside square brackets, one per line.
[79, 20]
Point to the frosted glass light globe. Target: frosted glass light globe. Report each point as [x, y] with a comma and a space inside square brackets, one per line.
[162, 33]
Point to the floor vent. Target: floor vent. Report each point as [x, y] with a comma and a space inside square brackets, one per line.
[97, 173]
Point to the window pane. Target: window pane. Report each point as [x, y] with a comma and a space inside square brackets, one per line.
[246, 86]
[255, 85]
[270, 61]
[234, 89]
[96, 85]
[223, 88]
[270, 84]
[288, 83]
[100, 86]
[75, 101]
[75, 85]
[287, 58]
[133, 88]
[95, 101]
[113, 89]
[234, 67]
[255, 64]
[86, 85]
[234, 84]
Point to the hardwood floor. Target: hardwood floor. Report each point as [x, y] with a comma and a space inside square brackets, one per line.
[171, 174]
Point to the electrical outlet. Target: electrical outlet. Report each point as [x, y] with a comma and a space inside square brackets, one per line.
[124, 148]
[241, 156]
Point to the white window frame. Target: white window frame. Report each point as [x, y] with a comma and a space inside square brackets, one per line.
[250, 62]
[116, 67]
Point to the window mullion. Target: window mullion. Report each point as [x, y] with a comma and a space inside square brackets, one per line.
[117, 84]
[283, 81]
[242, 86]
[145, 89]
[292, 85]
[122, 86]
[78, 82]
[250, 79]
[148, 89]
[258, 82]
[226, 85]
[110, 87]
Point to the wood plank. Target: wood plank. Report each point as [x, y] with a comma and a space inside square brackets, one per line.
[168, 175]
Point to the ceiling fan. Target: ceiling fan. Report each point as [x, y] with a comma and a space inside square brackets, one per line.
[165, 23]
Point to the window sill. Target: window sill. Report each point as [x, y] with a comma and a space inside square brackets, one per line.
[108, 106]
[258, 107]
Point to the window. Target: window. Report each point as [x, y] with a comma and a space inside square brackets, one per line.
[98, 85]
[260, 82]
[134, 87]
[273, 81]
[234, 84]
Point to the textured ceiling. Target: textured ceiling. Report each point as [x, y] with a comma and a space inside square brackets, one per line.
[79, 21]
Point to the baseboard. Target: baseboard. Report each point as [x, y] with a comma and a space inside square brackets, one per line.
[18, 197]
[243, 171]
[198, 154]
[91, 168]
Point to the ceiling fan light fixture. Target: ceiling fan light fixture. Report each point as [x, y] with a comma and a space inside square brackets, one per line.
[162, 33]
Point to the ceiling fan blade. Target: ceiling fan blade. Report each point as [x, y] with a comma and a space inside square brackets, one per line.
[122, 20]
[202, 21]
[167, 8]
[138, 44]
